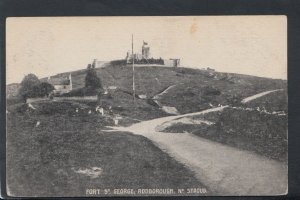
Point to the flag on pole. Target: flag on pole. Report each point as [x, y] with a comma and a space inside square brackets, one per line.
[145, 43]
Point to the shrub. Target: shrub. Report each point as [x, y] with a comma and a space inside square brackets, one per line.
[41, 90]
[91, 79]
[27, 85]
[32, 87]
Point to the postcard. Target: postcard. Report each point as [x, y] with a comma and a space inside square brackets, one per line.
[146, 106]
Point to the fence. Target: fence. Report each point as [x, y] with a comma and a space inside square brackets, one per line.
[84, 98]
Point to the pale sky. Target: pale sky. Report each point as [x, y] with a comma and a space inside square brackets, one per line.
[254, 45]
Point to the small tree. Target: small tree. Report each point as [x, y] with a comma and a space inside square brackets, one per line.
[32, 87]
[27, 85]
[44, 89]
[91, 79]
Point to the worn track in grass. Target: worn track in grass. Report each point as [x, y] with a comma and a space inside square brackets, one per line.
[225, 170]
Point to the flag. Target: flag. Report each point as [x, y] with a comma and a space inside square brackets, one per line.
[145, 43]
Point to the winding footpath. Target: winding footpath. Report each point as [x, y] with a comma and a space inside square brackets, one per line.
[157, 96]
[259, 95]
[224, 170]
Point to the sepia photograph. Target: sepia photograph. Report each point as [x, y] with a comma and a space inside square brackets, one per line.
[146, 106]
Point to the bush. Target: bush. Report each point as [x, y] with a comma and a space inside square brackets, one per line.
[31, 87]
[40, 90]
[27, 85]
[91, 79]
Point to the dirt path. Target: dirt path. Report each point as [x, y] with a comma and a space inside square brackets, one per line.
[258, 95]
[157, 96]
[166, 109]
[225, 170]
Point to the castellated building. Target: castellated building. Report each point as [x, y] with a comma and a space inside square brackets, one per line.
[145, 59]
[137, 56]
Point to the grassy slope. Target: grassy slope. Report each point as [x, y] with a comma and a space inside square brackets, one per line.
[193, 86]
[40, 159]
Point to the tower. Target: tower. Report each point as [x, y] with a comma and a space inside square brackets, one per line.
[145, 50]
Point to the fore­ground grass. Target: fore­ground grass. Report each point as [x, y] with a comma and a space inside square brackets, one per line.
[46, 160]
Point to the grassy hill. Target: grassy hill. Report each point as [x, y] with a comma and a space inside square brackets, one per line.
[152, 79]
[71, 137]
[194, 89]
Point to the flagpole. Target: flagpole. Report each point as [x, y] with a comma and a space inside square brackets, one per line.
[133, 81]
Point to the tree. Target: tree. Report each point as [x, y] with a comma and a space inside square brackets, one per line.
[27, 85]
[91, 79]
[43, 89]
[32, 87]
